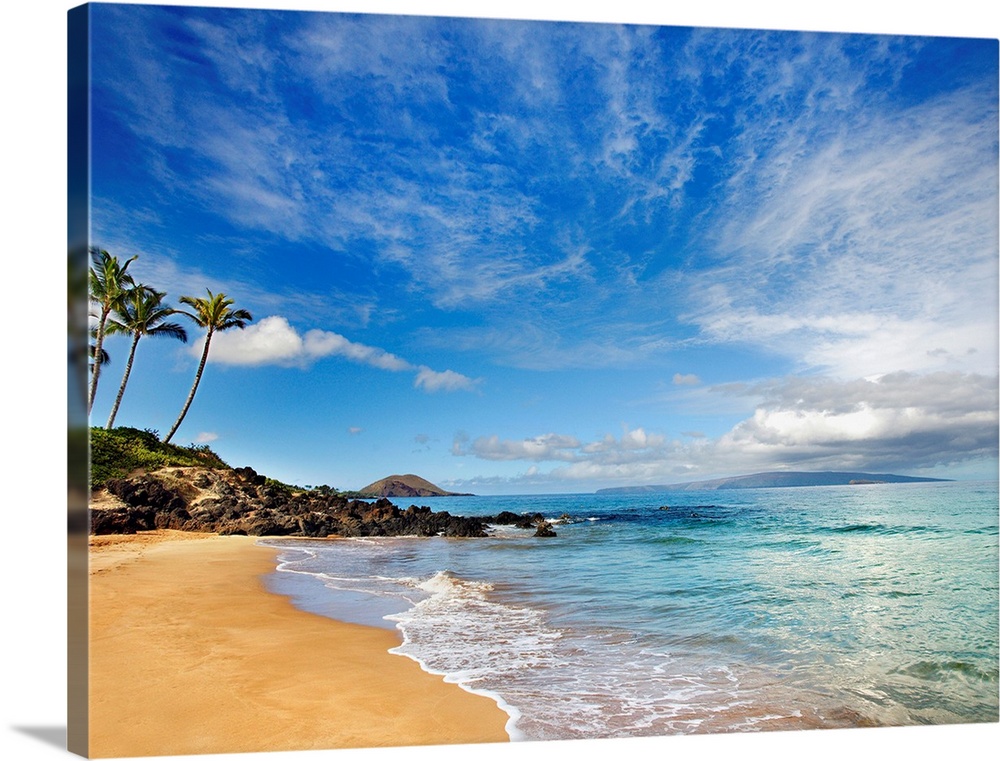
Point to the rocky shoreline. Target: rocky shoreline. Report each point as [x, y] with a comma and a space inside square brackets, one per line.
[241, 501]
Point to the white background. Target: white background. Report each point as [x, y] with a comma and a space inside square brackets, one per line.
[33, 124]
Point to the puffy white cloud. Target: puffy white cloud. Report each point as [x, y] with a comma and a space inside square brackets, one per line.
[631, 440]
[899, 422]
[902, 420]
[273, 341]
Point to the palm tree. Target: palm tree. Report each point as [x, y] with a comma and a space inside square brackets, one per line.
[108, 282]
[215, 315]
[141, 313]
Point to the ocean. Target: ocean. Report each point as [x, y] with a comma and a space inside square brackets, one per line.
[691, 612]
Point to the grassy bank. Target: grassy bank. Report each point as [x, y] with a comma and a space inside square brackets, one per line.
[120, 451]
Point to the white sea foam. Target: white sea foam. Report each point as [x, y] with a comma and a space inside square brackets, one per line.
[502, 531]
[552, 683]
[471, 640]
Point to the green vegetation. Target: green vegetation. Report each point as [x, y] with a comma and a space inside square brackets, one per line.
[287, 488]
[118, 452]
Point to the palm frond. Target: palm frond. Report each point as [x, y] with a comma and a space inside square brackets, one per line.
[170, 330]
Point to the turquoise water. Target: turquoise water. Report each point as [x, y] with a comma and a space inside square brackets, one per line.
[732, 610]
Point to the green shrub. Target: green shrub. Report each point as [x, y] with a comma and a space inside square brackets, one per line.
[287, 488]
[120, 451]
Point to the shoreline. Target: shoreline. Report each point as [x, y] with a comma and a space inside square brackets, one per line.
[190, 653]
[352, 612]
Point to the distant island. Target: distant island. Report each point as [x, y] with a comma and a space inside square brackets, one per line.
[405, 486]
[776, 479]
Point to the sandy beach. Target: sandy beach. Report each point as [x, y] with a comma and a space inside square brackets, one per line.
[190, 654]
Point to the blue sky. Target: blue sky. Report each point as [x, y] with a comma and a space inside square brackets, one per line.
[525, 257]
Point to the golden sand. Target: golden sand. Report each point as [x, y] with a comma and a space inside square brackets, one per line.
[189, 653]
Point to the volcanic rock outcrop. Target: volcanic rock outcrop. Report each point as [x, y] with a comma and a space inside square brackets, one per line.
[240, 501]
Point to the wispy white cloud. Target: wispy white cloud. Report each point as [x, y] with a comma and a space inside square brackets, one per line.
[689, 379]
[322, 343]
[632, 445]
[571, 339]
[828, 198]
[447, 380]
[457, 216]
[860, 245]
[651, 149]
[547, 447]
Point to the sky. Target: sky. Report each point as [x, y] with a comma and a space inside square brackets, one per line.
[524, 257]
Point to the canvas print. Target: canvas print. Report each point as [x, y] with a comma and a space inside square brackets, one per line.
[455, 380]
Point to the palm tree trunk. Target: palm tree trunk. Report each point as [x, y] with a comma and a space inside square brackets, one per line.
[121, 389]
[97, 365]
[197, 380]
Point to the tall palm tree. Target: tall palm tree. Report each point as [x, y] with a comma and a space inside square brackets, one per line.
[141, 313]
[214, 314]
[108, 281]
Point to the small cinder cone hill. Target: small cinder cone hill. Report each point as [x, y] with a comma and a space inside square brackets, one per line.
[404, 486]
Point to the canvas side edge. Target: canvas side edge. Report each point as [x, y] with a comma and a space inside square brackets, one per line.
[78, 470]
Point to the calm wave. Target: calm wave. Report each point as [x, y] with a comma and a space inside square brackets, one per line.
[692, 612]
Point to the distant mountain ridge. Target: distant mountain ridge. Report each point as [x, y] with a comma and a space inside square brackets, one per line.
[775, 479]
[408, 485]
